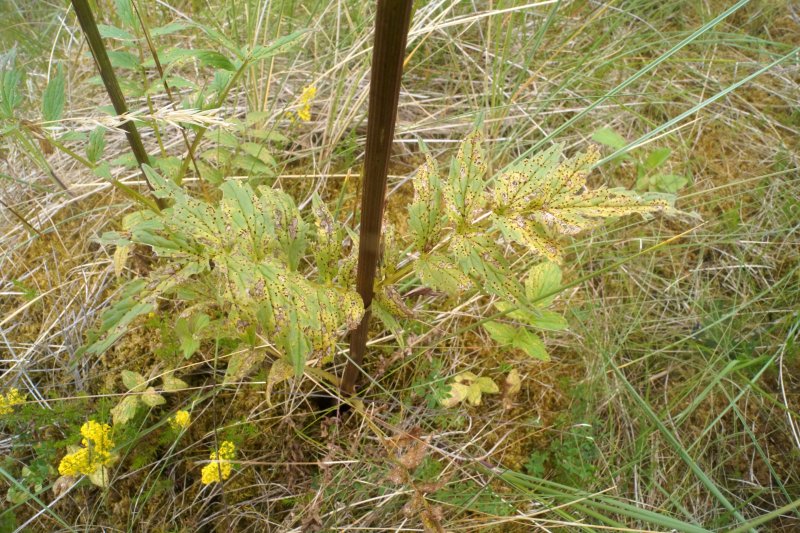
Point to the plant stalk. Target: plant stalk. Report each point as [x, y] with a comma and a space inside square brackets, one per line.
[86, 19]
[391, 29]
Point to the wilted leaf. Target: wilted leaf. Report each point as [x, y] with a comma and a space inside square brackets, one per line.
[513, 382]
[529, 234]
[538, 199]
[458, 392]
[151, 398]
[278, 372]
[125, 410]
[515, 188]
[172, 384]
[62, 484]
[133, 381]
[241, 364]
[100, 477]
[438, 272]
[463, 192]
[486, 385]
[467, 386]
[120, 257]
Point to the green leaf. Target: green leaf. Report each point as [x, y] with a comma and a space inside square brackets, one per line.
[259, 151]
[516, 337]
[538, 318]
[668, 183]
[103, 170]
[268, 135]
[542, 283]
[116, 319]
[53, 97]
[275, 47]
[547, 320]
[112, 32]
[252, 166]
[210, 58]
[133, 381]
[97, 143]
[656, 158]
[188, 330]
[284, 222]
[125, 410]
[124, 60]
[125, 12]
[610, 138]
[168, 29]
[10, 97]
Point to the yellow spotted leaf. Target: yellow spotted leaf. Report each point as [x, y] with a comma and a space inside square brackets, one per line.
[278, 372]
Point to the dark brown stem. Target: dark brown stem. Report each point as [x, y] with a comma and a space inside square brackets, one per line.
[391, 30]
[160, 69]
[89, 27]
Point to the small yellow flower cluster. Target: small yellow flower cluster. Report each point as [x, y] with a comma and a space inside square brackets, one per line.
[7, 402]
[220, 466]
[304, 113]
[95, 453]
[181, 420]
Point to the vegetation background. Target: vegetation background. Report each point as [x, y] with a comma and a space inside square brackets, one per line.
[670, 403]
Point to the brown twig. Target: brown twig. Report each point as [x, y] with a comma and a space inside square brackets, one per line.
[86, 19]
[391, 29]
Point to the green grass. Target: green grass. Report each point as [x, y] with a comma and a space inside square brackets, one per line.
[682, 354]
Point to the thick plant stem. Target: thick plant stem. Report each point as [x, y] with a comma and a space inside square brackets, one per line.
[89, 27]
[391, 30]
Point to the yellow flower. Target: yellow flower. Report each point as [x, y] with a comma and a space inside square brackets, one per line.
[220, 466]
[76, 463]
[7, 402]
[97, 436]
[304, 113]
[96, 451]
[181, 420]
